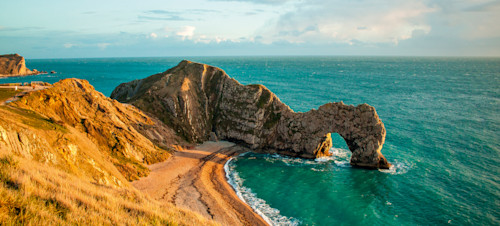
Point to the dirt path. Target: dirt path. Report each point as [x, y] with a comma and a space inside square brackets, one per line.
[24, 90]
[195, 179]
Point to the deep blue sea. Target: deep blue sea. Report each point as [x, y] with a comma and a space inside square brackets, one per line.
[442, 117]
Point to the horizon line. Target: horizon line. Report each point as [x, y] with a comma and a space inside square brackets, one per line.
[270, 55]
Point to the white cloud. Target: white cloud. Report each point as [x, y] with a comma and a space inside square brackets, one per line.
[153, 35]
[186, 32]
[349, 22]
[68, 45]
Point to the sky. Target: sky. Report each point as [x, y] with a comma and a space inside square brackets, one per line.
[147, 28]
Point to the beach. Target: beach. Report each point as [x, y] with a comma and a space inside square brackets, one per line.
[195, 179]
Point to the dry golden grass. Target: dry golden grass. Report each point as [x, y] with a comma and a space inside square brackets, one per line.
[53, 172]
[32, 193]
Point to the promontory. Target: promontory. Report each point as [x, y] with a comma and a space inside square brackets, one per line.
[201, 102]
[14, 65]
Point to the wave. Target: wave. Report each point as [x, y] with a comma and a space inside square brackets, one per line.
[398, 167]
[340, 158]
[271, 215]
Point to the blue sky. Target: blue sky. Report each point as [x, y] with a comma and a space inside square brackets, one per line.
[127, 28]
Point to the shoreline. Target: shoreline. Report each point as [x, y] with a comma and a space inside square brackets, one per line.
[195, 179]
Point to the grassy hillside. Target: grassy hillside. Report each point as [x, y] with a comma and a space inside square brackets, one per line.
[38, 194]
[67, 155]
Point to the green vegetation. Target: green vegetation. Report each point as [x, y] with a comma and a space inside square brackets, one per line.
[7, 93]
[272, 120]
[35, 120]
[264, 98]
[130, 169]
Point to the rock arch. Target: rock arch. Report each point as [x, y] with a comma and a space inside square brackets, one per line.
[360, 126]
[214, 105]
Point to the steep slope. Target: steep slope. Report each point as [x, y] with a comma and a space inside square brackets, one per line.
[67, 154]
[200, 101]
[14, 65]
[120, 132]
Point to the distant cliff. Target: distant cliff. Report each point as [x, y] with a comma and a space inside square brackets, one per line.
[14, 65]
[201, 102]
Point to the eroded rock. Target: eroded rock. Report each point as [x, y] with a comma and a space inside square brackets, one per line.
[14, 65]
[197, 100]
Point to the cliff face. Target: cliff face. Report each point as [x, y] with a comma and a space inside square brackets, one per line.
[200, 101]
[13, 65]
[67, 154]
[71, 118]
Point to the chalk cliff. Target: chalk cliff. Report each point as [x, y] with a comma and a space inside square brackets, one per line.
[14, 65]
[201, 102]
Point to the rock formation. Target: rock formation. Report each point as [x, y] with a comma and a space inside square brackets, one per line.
[201, 102]
[67, 154]
[14, 65]
[124, 134]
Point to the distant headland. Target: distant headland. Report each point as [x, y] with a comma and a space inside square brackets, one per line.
[13, 65]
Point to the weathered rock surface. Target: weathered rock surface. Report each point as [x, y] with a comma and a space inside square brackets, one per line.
[14, 65]
[201, 102]
[124, 134]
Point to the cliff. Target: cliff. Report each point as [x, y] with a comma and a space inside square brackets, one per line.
[202, 102]
[14, 65]
[72, 118]
[67, 154]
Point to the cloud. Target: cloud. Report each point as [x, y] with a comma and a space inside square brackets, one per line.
[349, 22]
[162, 15]
[153, 35]
[493, 6]
[186, 32]
[267, 2]
[68, 45]
[168, 15]
[103, 45]
[22, 29]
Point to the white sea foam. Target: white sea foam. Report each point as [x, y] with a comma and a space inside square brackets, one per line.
[341, 157]
[398, 167]
[270, 215]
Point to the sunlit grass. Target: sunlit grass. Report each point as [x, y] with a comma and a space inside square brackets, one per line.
[37, 194]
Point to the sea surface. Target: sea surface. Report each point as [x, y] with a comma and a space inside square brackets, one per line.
[442, 117]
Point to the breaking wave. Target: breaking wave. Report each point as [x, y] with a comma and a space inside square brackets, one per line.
[270, 215]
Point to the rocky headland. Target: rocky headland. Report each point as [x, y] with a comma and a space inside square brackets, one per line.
[68, 155]
[14, 65]
[200, 102]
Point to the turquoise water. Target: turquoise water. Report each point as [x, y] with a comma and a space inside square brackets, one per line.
[442, 120]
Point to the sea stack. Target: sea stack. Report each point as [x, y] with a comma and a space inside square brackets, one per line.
[200, 101]
[14, 65]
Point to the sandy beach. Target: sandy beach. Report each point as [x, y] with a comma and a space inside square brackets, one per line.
[195, 179]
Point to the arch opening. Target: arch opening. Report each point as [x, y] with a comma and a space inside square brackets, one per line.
[338, 142]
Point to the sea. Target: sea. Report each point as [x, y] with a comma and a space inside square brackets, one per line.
[442, 116]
